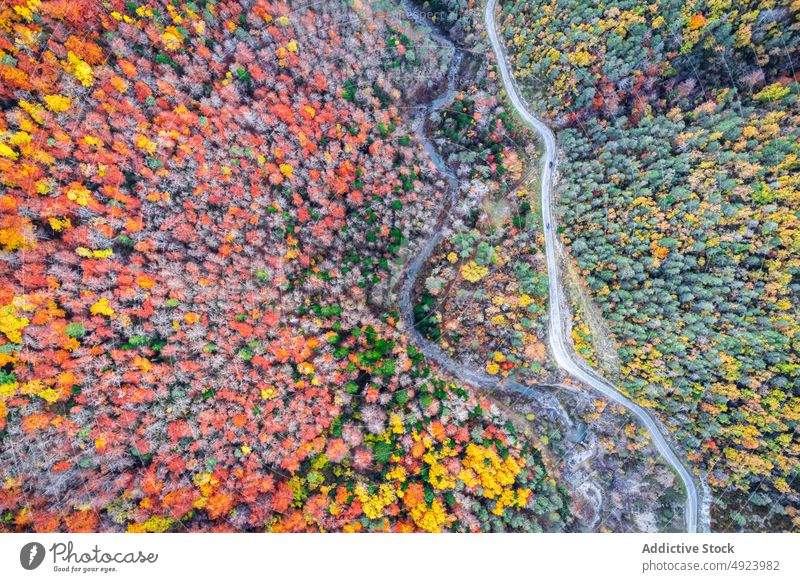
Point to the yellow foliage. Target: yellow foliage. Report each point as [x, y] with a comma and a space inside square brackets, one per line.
[373, 505]
[93, 141]
[144, 143]
[12, 324]
[431, 519]
[49, 395]
[43, 187]
[7, 152]
[511, 498]
[32, 387]
[93, 254]
[59, 223]
[21, 138]
[144, 12]
[142, 363]
[483, 466]
[782, 486]
[580, 58]
[473, 272]
[8, 391]
[399, 473]
[101, 307]
[80, 68]
[396, 424]
[172, 38]
[206, 483]
[440, 477]
[772, 92]
[153, 525]
[28, 9]
[57, 103]
[79, 194]
[553, 55]
[35, 111]
[499, 319]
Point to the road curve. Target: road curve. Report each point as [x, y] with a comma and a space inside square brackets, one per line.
[562, 351]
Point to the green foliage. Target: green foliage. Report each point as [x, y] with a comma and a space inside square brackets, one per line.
[679, 199]
[75, 330]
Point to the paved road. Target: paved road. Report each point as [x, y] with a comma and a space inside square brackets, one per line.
[562, 351]
[465, 373]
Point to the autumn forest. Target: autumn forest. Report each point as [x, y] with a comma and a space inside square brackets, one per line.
[213, 214]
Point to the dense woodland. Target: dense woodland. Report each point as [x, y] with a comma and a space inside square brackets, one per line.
[203, 208]
[679, 128]
[484, 299]
[484, 290]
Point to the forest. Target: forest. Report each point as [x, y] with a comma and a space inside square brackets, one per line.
[203, 209]
[206, 210]
[679, 128]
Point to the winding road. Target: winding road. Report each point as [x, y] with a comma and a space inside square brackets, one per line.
[562, 351]
[559, 313]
